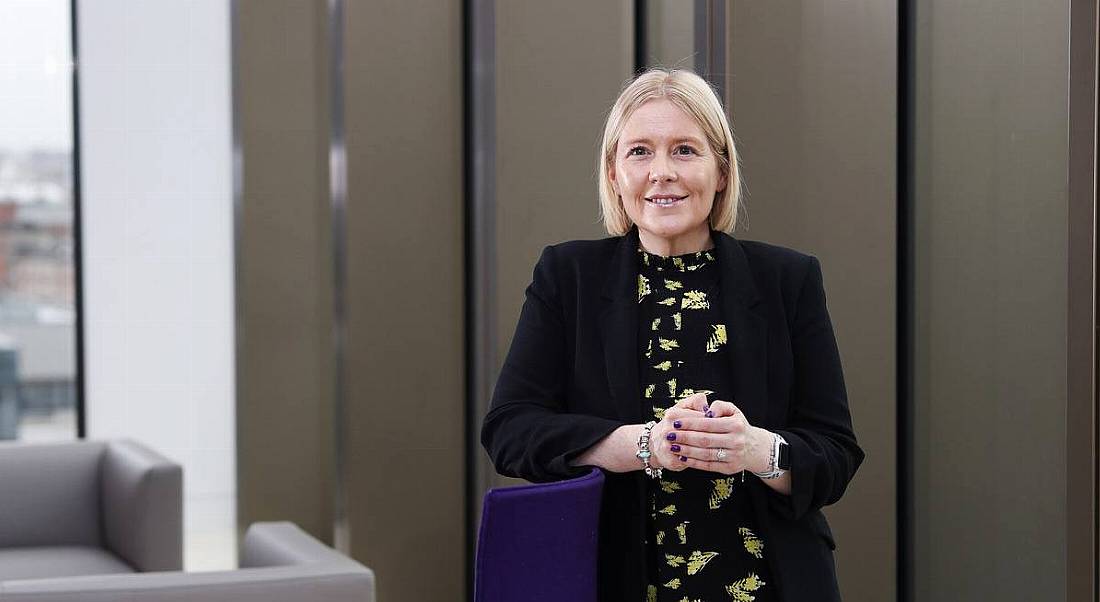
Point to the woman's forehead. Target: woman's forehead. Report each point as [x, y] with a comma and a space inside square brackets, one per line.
[660, 120]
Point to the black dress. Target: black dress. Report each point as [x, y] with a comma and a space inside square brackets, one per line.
[702, 539]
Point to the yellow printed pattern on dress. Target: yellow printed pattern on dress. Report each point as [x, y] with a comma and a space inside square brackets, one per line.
[685, 599]
[649, 390]
[651, 593]
[673, 285]
[656, 323]
[678, 262]
[672, 387]
[695, 300]
[660, 538]
[682, 531]
[674, 561]
[740, 589]
[643, 287]
[717, 338]
[670, 486]
[649, 349]
[677, 320]
[723, 488]
[673, 584]
[667, 344]
[698, 560]
[669, 509]
[753, 544]
[658, 413]
[665, 365]
[670, 301]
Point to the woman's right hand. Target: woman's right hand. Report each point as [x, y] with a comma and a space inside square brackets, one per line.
[665, 451]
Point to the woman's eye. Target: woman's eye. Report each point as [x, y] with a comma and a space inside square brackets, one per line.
[684, 149]
[637, 150]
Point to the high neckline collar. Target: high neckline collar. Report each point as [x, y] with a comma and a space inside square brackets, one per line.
[687, 262]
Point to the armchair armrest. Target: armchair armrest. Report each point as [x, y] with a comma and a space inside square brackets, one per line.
[285, 544]
[142, 494]
[320, 583]
[288, 565]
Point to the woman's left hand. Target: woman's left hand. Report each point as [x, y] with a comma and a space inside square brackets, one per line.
[720, 439]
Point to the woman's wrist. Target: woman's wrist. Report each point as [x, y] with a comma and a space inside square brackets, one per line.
[761, 443]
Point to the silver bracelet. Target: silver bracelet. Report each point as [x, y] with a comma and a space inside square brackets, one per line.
[643, 452]
[773, 471]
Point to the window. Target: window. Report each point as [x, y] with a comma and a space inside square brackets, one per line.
[37, 275]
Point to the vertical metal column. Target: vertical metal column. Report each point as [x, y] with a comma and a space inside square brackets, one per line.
[710, 43]
[481, 247]
[78, 236]
[906, 318]
[641, 36]
[1082, 453]
[338, 187]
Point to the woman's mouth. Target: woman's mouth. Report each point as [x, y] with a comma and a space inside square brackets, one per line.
[665, 200]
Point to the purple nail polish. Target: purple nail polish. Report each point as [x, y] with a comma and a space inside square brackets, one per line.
[674, 447]
[706, 407]
[671, 436]
[709, 414]
[683, 458]
[677, 423]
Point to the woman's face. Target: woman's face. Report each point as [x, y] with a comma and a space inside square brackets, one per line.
[667, 177]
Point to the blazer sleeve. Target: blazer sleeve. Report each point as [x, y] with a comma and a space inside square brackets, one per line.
[824, 454]
[527, 432]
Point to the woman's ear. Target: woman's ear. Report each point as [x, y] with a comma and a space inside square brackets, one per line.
[722, 181]
[611, 176]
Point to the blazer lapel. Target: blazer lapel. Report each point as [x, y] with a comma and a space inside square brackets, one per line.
[619, 328]
[746, 330]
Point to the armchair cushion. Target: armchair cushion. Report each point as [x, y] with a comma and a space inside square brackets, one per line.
[58, 561]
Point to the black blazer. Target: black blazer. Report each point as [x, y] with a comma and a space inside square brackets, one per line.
[571, 377]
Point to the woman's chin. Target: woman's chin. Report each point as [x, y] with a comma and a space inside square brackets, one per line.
[670, 227]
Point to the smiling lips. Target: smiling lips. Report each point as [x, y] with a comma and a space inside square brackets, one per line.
[665, 200]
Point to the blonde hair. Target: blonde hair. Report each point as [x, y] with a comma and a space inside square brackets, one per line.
[695, 97]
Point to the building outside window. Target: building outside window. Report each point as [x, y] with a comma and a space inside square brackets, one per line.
[37, 273]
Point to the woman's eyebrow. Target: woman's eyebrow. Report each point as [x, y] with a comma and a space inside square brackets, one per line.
[687, 139]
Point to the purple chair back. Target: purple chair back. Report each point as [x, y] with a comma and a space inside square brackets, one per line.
[538, 542]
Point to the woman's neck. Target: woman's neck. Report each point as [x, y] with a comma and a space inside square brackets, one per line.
[688, 242]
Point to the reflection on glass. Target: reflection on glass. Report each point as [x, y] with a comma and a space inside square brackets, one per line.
[37, 278]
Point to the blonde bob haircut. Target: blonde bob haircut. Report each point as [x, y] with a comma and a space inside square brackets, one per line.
[693, 96]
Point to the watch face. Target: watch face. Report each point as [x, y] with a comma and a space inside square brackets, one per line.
[784, 460]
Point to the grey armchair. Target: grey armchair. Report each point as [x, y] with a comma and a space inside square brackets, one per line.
[279, 563]
[88, 508]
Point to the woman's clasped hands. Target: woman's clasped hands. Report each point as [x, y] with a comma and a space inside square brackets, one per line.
[715, 437]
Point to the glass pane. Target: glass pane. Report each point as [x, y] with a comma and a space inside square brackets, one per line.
[37, 279]
[990, 240]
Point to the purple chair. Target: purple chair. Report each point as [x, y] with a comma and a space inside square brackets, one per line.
[538, 542]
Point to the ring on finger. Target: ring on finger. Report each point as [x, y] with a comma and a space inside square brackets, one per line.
[721, 455]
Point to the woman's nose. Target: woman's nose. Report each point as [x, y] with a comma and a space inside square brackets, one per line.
[660, 170]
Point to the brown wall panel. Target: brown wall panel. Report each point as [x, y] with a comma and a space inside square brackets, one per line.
[990, 351]
[554, 87]
[405, 365]
[812, 95]
[284, 282]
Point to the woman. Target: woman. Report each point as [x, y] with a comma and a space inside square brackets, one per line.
[698, 370]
